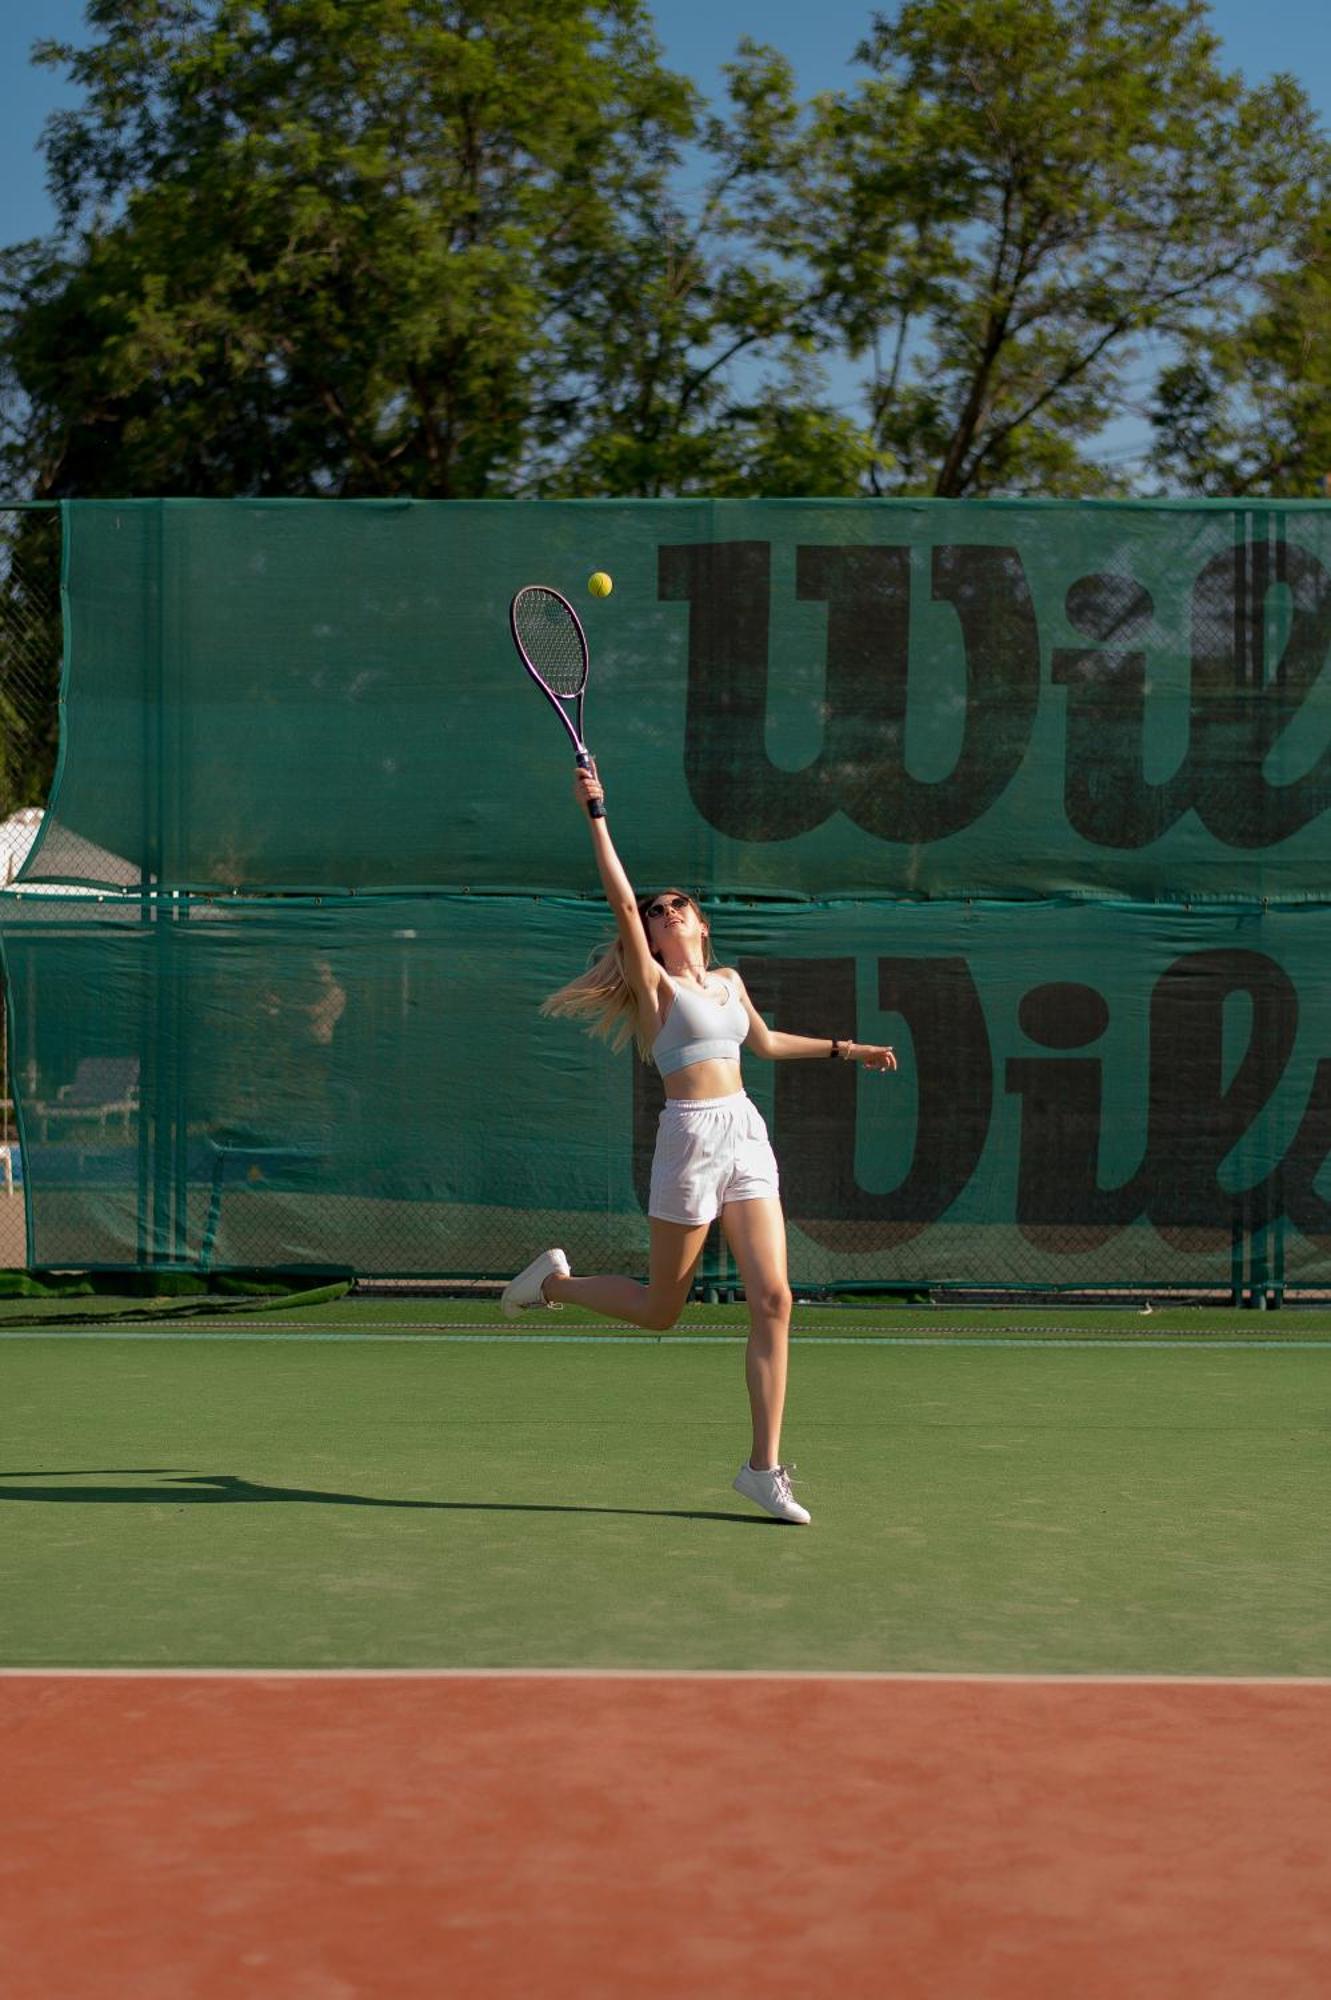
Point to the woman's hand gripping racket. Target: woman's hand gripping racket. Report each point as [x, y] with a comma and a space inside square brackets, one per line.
[553, 648]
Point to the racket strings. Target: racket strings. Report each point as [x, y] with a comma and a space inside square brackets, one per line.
[550, 640]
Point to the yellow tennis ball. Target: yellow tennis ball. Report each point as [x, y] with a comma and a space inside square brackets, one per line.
[600, 585]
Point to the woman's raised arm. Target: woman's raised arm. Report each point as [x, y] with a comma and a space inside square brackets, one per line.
[640, 968]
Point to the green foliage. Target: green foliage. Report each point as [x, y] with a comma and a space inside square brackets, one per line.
[330, 245]
[443, 248]
[1020, 193]
[1247, 411]
[30, 656]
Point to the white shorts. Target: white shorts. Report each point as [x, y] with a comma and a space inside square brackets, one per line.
[709, 1151]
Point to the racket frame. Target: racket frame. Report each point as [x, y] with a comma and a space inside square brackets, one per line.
[582, 756]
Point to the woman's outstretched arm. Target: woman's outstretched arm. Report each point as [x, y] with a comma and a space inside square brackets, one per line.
[779, 1047]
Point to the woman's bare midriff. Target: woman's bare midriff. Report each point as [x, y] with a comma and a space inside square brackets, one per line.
[705, 1079]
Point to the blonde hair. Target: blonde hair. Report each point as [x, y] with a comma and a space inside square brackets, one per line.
[602, 996]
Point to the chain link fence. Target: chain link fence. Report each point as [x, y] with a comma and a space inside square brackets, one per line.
[30, 653]
[30, 656]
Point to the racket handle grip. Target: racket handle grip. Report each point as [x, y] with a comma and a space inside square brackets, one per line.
[595, 807]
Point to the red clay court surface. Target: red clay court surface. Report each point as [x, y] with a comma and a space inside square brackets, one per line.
[331, 1836]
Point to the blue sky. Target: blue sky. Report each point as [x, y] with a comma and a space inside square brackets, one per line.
[699, 36]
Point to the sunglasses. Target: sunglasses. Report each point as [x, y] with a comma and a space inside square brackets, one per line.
[664, 903]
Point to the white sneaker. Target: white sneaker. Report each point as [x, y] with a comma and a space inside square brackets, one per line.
[771, 1491]
[525, 1290]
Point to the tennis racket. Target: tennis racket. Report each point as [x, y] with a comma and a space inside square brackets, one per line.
[553, 648]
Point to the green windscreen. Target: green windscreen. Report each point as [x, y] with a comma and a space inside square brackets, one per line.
[1036, 791]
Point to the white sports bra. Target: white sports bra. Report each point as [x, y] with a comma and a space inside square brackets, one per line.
[698, 1030]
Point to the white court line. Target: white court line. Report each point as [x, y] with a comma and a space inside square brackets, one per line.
[328, 1337]
[1321, 1682]
[273, 1333]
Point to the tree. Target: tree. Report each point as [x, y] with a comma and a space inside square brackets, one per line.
[696, 356]
[1247, 410]
[328, 246]
[438, 247]
[1018, 195]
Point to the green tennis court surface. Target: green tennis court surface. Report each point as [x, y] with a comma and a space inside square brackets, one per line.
[1036, 1492]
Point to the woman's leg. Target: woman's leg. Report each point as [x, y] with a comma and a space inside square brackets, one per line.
[676, 1248]
[756, 1233]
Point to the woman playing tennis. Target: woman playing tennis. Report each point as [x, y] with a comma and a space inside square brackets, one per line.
[657, 984]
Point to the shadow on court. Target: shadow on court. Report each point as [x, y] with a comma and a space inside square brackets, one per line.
[224, 1489]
